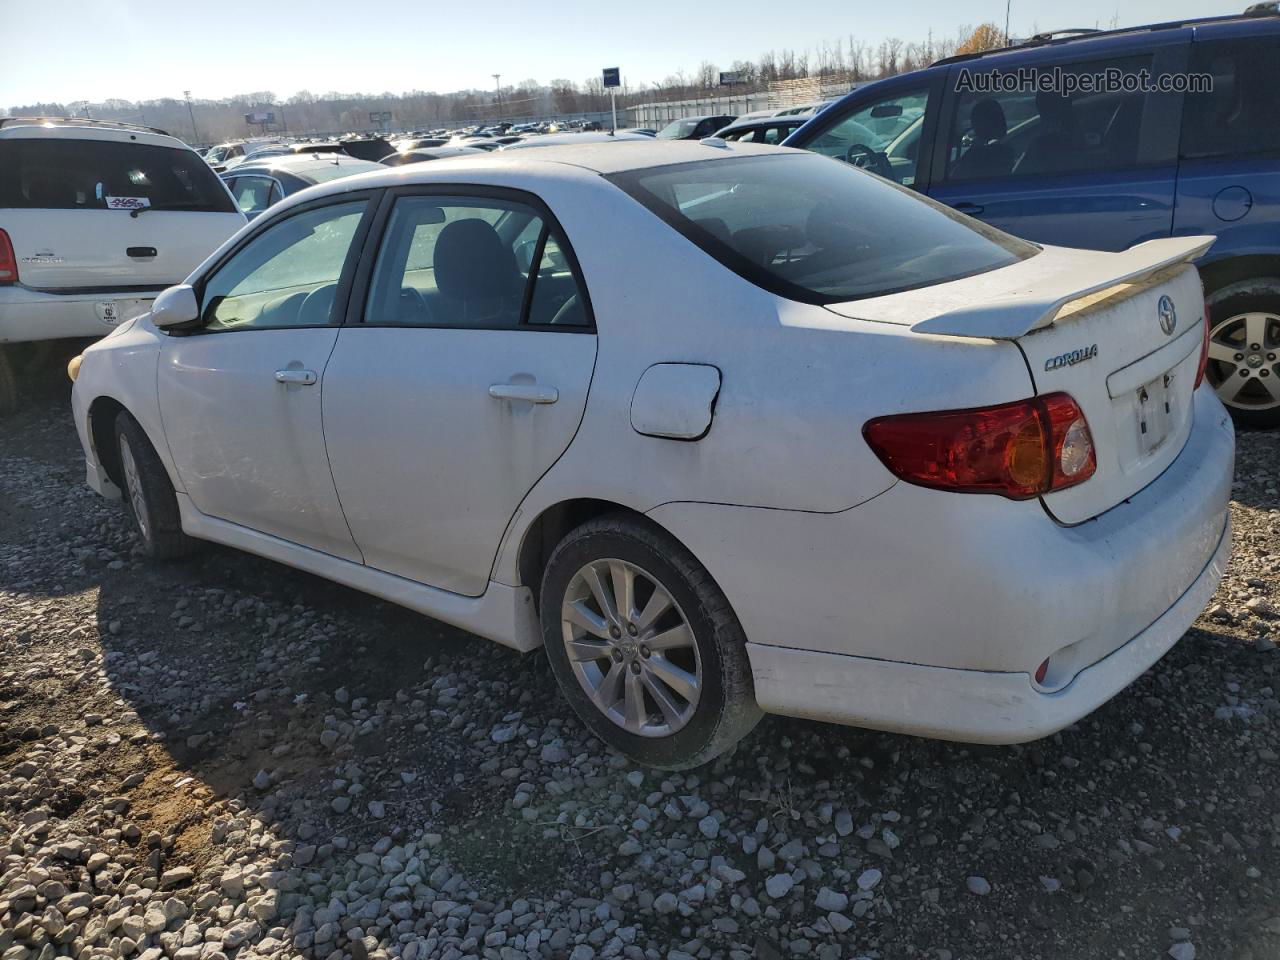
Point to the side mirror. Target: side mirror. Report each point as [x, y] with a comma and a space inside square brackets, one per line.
[175, 306]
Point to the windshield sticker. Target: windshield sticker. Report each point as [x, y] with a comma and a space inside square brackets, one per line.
[127, 203]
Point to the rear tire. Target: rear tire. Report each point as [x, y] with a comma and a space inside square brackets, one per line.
[1244, 328]
[644, 645]
[148, 493]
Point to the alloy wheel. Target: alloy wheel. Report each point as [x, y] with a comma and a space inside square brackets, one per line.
[133, 486]
[631, 648]
[1243, 368]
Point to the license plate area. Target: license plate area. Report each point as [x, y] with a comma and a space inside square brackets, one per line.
[1155, 402]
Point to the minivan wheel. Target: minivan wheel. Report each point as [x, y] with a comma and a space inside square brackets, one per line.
[149, 493]
[644, 645]
[1244, 354]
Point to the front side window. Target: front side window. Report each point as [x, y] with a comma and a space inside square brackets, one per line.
[882, 136]
[816, 231]
[472, 262]
[1238, 116]
[252, 194]
[70, 174]
[1046, 132]
[286, 276]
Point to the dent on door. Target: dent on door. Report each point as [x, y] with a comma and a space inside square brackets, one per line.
[675, 401]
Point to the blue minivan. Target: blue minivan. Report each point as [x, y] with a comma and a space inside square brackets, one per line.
[1029, 140]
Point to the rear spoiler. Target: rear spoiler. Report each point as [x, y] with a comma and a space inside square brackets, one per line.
[1012, 315]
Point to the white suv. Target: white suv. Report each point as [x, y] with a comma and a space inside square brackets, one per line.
[96, 218]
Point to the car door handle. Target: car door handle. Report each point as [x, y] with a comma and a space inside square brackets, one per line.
[964, 206]
[304, 377]
[528, 392]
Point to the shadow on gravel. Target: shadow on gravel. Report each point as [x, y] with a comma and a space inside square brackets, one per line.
[351, 777]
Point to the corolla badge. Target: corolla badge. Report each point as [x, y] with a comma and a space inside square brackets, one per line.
[1167, 315]
[1072, 357]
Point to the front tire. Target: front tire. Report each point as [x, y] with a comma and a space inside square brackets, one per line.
[644, 645]
[1244, 351]
[148, 493]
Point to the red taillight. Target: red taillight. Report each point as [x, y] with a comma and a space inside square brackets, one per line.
[1016, 450]
[1041, 672]
[8, 262]
[1204, 349]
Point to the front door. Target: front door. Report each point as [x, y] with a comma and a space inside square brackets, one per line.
[240, 397]
[460, 383]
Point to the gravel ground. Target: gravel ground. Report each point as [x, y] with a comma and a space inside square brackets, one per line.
[227, 758]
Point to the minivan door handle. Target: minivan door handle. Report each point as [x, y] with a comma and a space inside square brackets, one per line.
[304, 377]
[964, 206]
[141, 251]
[528, 392]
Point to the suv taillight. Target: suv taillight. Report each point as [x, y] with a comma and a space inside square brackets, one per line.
[1016, 450]
[1204, 349]
[8, 262]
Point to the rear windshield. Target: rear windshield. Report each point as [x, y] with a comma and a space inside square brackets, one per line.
[817, 230]
[87, 174]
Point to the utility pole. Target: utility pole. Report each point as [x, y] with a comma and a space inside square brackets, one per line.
[497, 84]
[195, 135]
[1007, 5]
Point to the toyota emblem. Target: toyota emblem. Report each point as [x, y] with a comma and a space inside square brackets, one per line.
[1167, 314]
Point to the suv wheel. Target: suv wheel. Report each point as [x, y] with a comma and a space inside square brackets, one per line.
[644, 645]
[149, 493]
[1244, 351]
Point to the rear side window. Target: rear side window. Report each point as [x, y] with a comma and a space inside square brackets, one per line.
[60, 174]
[1045, 133]
[811, 229]
[1239, 115]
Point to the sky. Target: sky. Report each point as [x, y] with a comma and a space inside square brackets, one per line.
[69, 50]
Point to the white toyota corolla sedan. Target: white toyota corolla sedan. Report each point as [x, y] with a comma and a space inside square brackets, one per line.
[728, 429]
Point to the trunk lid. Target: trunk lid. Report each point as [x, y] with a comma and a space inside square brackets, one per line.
[1120, 332]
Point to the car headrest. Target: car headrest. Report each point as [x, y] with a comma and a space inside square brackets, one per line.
[471, 261]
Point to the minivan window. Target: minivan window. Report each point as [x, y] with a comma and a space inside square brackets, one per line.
[883, 135]
[1044, 133]
[68, 174]
[1238, 116]
[818, 231]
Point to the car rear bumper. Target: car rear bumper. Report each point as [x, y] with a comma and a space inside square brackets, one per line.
[919, 607]
[973, 706]
[27, 314]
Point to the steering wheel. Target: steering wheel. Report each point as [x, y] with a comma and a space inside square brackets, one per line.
[863, 157]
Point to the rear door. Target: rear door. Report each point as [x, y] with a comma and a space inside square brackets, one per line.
[108, 213]
[1087, 160]
[464, 370]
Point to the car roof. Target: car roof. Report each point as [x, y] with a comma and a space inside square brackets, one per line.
[40, 129]
[1266, 15]
[547, 141]
[771, 121]
[300, 165]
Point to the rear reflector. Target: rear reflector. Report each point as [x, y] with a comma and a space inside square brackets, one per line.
[1204, 349]
[8, 262]
[1017, 450]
